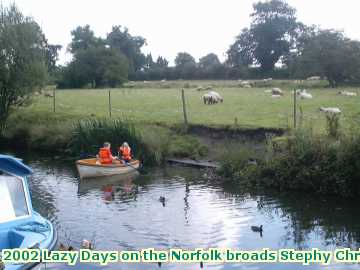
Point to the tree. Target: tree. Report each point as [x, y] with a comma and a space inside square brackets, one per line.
[52, 56]
[83, 38]
[329, 53]
[162, 62]
[22, 60]
[96, 66]
[128, 45]
[271, 35]
[185, 65]
[209, 61]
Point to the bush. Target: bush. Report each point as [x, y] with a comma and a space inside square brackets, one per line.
[305, 162]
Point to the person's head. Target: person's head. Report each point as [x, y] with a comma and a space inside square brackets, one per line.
[125, 144]
[107, 145]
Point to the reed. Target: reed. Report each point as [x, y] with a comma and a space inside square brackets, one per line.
[90, 134]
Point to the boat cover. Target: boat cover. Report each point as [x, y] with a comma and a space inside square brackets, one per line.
[13, 166]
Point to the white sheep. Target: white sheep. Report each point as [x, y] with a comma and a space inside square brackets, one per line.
[216, 95]
[314, 78]
[276, 96]
[303, 94]
[333, 110]
[277, 92]
[347, 94]
[268, 91]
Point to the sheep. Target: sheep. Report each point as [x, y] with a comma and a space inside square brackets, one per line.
[217, 96]
[245, 84]
[347, 94]
[303, 94]
[48, 95]
[276, 96]
[314, 78]
[330, 110]
[268, 91]
[163, 80]
[267, 80]
[277, 92]
[212, 98]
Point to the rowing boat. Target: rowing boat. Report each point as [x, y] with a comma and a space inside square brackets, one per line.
[90, 168]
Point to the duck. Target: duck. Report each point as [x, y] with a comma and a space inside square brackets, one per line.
[162, 199]
[257, 228]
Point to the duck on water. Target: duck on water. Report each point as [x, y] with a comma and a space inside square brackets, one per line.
[20, 225]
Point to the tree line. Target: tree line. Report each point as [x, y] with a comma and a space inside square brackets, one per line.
[274, 45]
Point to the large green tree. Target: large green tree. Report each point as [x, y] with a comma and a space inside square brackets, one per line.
[330, 54]
[22, 60]
[271, 36]
[83, 38]
[121, 40]
[98, 67]
[185, 65]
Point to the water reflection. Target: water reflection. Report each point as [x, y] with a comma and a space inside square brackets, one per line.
[125, 213]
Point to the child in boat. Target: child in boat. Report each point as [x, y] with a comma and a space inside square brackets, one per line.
[125, 152]
[105, 156]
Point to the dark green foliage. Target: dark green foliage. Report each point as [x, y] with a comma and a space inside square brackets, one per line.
[97, 67]
[328, 53]
[272, 35]
[22, 60]
[89, 135]
[128, 45]
[186, 146]
[305, 162]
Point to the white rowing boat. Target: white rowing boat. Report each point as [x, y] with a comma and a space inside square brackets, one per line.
[90, 168]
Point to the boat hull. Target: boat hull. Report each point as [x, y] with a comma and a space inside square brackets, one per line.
[87, 168]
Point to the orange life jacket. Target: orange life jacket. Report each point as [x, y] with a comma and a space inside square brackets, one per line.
[105, 156]
[125, 153]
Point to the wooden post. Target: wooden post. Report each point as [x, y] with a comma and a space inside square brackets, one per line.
[184, 107]
[294, 109]
[110, 103]
[54, 101]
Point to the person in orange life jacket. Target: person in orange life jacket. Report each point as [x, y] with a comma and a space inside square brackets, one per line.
[105, 155]
[125, 152]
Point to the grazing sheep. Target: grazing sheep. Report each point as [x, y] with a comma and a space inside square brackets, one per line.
[276, 96]
[267, 80]
[277, 92]
[163, 80]
[199, 89]
[330, 110]
[303, 94]
[48, 95]
[212, 98]
[347, 94]
[217, 96]
[314, 78]
[268, 91]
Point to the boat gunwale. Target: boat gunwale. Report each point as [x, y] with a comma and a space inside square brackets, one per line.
[82, 162]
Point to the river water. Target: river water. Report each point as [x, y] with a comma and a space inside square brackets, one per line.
[126, 214]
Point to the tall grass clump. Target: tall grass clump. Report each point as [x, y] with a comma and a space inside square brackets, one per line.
[90, 134]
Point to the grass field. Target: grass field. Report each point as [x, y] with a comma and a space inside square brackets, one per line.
[253, 108]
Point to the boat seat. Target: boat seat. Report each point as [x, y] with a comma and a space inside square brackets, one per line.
[22, 239]
[4, 240]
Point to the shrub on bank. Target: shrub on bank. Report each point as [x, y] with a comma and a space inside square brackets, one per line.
[304, 161]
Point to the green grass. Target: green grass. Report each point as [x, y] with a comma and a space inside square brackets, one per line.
[252, 107]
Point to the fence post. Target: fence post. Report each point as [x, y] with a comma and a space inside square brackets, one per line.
[110, 103]
[54, 101]
[294, 109]
[184, 107]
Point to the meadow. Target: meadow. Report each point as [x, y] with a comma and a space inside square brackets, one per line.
[160, 102]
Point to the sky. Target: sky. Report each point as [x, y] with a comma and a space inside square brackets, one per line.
[198, 27]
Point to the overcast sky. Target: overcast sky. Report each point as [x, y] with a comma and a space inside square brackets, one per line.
[171, 26]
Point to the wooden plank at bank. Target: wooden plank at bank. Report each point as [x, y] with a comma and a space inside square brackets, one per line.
[194, 163]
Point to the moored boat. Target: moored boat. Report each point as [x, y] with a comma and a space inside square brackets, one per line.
[90, 168]
[20, 225]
